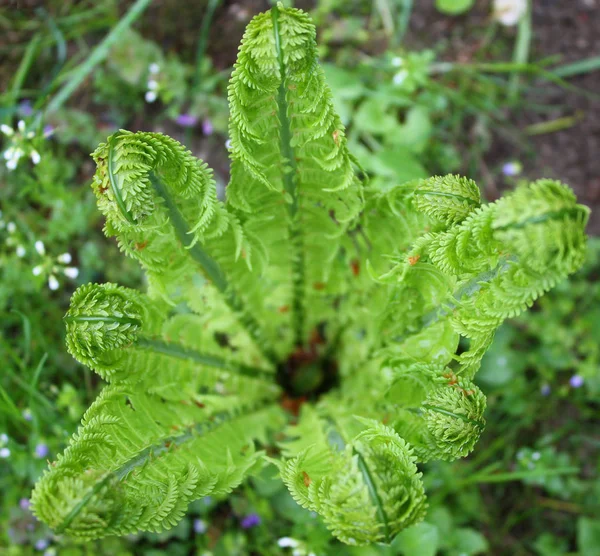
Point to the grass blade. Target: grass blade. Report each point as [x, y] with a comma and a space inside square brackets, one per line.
[97, 56]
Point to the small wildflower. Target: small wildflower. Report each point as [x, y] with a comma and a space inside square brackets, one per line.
[40, 247]
[535, 456]
[228, 144]
[400, 77]
[11, 227]
[24, 504]
[42, 544]
[200, 526]
[20, 251]
[27, 415]
[511, 169]
[251, 520]
[3, 439]
[71, 272]
[37, 270]
[21, 126]
[545, 390]
[53, 282]
[4, 453]
[186, 120]
[50, 552]
[576, 381]
[150, 96]
[152, 84]
[509, 12]
[25, 108]
[397, 62]
[64, 258]
[48, 131]
[7, 130]
[41, 451]
[154, 68]
[207, 127]
[35, 156]
[287, 542]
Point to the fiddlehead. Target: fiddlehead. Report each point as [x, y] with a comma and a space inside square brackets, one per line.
[138, 460]
[362, 480]
[161, 204]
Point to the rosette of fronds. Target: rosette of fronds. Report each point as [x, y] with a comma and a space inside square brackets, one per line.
[351, 319]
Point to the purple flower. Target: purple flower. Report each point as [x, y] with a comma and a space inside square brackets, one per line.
[41, 451]
[576, 381]
[545, 390]
[200, 526]
[251, 520]
[207, 127]
[24, 503]
[48, 131]
[25, 108]
[186, 120]
[42, 544]
[512, 168]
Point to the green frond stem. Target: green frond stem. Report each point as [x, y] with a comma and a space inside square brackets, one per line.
[290, 172]
[145, 456]
[181, 352]
[479, 424]
[336, 440]
[213, 271]
[207, 263]
[112, 180]
[138, 460]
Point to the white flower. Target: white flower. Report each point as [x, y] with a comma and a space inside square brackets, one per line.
[53, 282]
[39, 247]
[4, 453]
[37, 270]
[154, 68]
[20, 251]
[397, 61]
[65, 258]
[12, 156]
[535, 456]
[7, 130]
[71, 272]
[152, 84]
[150, 96]
[3, 438]
[509, 12]
[35, 156]
[287, 542]
[228, 144]
[21, 126]
[11, 227]
[400, 77]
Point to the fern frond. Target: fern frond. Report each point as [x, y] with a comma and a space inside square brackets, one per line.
[138, 460]
[128, 338]
[292, 177]
[160, 202]
[364, 485]
[449, 199]
[490, 267]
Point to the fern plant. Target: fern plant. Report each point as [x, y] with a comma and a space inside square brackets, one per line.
[350, 319]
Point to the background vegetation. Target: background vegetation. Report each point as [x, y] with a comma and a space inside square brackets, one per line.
[424, 87]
